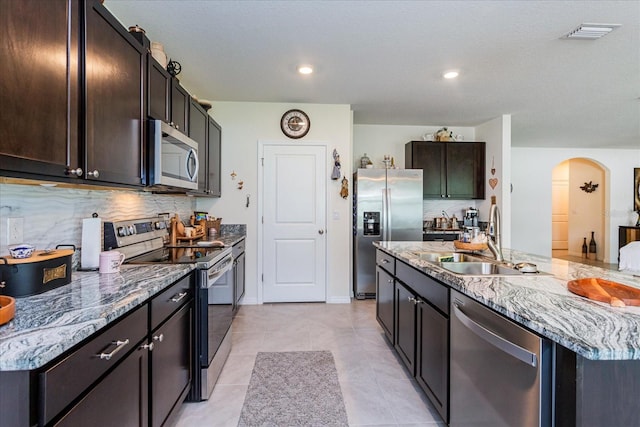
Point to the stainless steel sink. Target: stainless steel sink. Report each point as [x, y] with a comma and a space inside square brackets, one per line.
[436, 257]
[478, 268]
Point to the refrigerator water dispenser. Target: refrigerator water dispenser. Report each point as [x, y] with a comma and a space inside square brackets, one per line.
[371, 223]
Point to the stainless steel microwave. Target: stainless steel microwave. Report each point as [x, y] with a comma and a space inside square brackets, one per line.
[173, 157]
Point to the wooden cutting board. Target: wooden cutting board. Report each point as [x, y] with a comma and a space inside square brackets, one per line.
[616, 294]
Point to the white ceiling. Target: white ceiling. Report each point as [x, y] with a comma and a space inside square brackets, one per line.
[386, 58]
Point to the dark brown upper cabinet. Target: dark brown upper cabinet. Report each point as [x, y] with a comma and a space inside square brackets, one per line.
[158, 91]
[71, 94]
[113, 83]
[198, 132]
[451, 170]
[214, 158]
[179, 106]
[39, 89]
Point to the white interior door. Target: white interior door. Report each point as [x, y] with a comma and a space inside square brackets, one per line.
[294, 223]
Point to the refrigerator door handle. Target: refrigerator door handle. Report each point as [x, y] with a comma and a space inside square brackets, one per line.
[386, 215]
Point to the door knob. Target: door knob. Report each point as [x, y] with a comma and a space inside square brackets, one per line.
[320, 231]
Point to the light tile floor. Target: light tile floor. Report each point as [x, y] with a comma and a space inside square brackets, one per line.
[377, 389]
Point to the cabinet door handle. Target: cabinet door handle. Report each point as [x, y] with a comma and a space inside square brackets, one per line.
[93, 173]
[385, 261]
[119, 346]
[147, 347]
[159, 338]
[389, 280]
[179, 297]
[75, 172]
[411, 299]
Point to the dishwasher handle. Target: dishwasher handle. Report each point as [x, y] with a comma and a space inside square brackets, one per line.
[506, 346]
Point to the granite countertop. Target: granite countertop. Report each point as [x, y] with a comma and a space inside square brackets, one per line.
[48, 324]
[542, 303]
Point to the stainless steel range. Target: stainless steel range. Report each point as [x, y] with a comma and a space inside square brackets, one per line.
[146, 241]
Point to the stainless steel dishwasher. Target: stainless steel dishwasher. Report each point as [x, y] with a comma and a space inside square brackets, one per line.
[500, 372]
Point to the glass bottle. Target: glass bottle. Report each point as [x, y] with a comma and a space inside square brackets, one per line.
[592, 244]
[364, 161]
[584, 248]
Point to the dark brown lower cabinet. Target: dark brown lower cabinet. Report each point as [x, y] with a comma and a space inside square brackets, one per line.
[406, 326]
[385, 288]
[432, 356]
[171, 365]
[422, 332]
[135, 372]
[119, 400]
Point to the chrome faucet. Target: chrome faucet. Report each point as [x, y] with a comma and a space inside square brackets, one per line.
[493, 239]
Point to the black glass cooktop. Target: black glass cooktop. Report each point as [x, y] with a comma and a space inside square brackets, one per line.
[179, 255]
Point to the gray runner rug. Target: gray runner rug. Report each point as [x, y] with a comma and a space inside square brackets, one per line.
[298, 388]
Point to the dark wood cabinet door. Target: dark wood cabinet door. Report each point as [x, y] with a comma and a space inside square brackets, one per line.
[114, 109]
[385, 289]
[430, 157]
[239, 277]
[432, 356]
[198, 124]
[454, 170]
[158, 90]
[121, 399]
[465, 170]
[179, 106]
[405, 315]
[171, 366]
[214, 162]
[39, 86]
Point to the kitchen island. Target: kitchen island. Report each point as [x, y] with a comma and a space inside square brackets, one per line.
[596, 347]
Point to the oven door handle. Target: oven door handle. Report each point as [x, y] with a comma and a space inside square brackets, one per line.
[227, 264]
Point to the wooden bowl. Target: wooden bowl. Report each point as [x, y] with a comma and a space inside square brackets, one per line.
[469, 246]
[7, 309]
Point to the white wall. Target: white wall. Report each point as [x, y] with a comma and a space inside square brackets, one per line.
[531, 176]
[243, 125]
[586, 210]
[497, 134]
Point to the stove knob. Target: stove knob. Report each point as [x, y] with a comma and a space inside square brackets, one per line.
[157, 225]
[122, 231]
[132, 229]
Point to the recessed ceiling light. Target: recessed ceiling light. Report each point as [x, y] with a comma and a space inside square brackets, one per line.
[450, 74]
[591, 31]
[305, 69]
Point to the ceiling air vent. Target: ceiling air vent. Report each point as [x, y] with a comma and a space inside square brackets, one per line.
[591, 31]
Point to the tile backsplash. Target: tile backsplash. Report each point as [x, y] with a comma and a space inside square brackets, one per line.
[53, 215]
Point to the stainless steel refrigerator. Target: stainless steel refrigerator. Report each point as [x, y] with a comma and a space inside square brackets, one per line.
[387, 206]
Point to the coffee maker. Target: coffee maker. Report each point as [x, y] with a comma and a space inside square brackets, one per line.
[471, 217]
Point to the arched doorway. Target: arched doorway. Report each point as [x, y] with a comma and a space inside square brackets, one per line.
[578, 209]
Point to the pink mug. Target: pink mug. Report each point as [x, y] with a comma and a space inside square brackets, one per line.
[110, 261]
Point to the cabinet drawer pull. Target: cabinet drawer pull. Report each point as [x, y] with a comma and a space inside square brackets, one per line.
[411, 299]
[159, 338]
[179, 297]
[93, 173]
[385, 261]
[119, 346]
[389, 280]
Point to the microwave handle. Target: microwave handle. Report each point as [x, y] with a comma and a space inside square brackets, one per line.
[194, 175]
